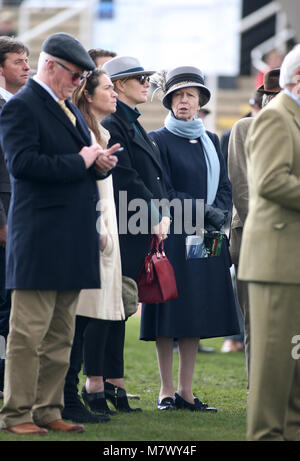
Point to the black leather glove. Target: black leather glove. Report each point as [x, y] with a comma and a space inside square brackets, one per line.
[214, 218]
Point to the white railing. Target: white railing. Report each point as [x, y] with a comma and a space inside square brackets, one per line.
[278, 41]
[70, 8]
[274, 43]
[258, 16]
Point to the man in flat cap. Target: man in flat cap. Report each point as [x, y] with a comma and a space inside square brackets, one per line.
[270, 261]
[52, 242]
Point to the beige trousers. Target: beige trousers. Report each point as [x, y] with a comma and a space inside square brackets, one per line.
[274, 397]
[37, 356]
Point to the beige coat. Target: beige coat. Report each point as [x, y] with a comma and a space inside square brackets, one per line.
[237, 170]
[270, 250]
[106, 303]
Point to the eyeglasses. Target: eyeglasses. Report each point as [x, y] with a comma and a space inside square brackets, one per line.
[142, 79]
[75, 75]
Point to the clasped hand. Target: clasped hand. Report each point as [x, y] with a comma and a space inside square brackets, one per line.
[102, 158]
[162, 228]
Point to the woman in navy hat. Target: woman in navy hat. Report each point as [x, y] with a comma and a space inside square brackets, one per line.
[195, 169]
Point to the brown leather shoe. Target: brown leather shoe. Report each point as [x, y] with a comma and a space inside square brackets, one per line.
[60, 426]
[26, 429]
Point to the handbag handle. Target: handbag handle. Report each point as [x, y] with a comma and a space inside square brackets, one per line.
[157, 247]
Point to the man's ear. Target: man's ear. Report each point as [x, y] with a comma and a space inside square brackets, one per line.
[50, 65]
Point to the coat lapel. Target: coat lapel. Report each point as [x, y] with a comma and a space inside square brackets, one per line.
[80, 131]
[80, 123]
[142, 141]
[297, 118]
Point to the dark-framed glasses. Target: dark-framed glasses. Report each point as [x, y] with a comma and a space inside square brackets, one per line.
[75, 75]
[142, 79]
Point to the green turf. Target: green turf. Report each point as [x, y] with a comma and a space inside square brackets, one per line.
[219, 379]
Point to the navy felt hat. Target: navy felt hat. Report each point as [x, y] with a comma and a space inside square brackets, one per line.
[64, 46]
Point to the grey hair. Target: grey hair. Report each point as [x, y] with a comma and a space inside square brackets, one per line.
[42, 60]
[290, 63]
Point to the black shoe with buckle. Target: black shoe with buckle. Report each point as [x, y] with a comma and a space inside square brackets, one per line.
[182, 404]
[166, 404]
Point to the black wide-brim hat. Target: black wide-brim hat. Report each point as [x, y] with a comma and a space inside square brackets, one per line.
[183, 77]
[122, 67]
[67, 47]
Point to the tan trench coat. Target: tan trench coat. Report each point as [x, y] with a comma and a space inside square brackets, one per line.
[106, 303]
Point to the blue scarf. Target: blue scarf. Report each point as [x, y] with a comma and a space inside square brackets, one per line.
[193, 130]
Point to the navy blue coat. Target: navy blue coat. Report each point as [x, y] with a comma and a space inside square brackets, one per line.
[206, 304]
[52, 239]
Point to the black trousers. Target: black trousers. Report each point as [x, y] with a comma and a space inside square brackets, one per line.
[99, 346]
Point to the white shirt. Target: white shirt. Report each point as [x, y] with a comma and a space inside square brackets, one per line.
[5, 94]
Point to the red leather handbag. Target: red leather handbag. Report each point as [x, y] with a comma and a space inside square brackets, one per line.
[156, 280]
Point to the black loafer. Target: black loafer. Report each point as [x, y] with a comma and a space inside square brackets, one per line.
[182, 404]
[166, 404]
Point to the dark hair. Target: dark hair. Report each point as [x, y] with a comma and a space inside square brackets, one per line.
[256, 99]
[100, 53]
[89, 84]
[11, 45]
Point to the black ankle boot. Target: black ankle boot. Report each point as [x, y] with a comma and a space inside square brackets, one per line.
[75, 411]
[96, 402]
[118, 397]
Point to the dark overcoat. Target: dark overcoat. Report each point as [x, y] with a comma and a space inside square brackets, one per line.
[52, 239]
[206, 305]
[139, 174]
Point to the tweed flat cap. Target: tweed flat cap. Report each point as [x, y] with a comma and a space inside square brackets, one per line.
[183, 77]
[124, 67]
[64, 46]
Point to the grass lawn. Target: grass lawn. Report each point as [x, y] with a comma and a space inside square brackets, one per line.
[220, 380]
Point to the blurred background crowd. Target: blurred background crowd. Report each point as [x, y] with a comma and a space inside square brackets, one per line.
[233, 41]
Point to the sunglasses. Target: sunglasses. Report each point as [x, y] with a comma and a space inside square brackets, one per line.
[142, 79]
[75, 75]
